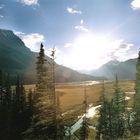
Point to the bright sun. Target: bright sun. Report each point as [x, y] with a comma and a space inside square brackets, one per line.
[88, 51]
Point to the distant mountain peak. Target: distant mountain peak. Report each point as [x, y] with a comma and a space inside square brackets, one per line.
[124, 70]
[114, 61]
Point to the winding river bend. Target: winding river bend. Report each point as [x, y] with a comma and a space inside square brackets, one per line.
[90, 114]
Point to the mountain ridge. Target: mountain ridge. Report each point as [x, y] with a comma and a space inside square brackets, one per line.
[12, 48]
[16, 58]
[124, 70]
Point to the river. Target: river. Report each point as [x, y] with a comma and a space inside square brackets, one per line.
[90, 114]
[83, 83]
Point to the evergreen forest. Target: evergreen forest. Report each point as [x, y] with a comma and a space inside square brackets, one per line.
[36, 114]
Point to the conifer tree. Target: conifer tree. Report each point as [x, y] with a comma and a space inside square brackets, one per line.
[136, 108]
[8, 92]
[84, 129]
[111, 124]
[30, 103]
[58, 118]
[13, 109]
[8, 106]
[5, 105]
[104, 125]
[19, 119]
[118, 112]
[43, 125]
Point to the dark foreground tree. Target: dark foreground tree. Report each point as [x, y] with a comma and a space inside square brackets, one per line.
[14, 115]
[84, 129]
[135, 116]
[45, 119]
[19, 118]
[118, 112]
[111, 123]
[102, 122]
[5, 105]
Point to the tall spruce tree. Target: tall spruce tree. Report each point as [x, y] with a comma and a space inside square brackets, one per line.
[84, 129]
[118, 112]
[136, 108]
[60, 128]
[44, 116]
[111, 124]
[104, 125]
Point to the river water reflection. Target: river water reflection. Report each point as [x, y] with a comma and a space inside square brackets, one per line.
[90, 114]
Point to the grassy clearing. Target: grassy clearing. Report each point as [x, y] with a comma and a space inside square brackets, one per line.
[72, 96]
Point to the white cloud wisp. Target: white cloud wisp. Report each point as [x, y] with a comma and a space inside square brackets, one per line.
[73, 11]
[81, 28]
[31, 40]
[29, 2]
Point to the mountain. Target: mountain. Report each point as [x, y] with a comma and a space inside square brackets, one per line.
[124, 70]
[16, 58]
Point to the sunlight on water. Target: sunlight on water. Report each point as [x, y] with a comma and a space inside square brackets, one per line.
[127, 98]
[92, 111]
[90, 114]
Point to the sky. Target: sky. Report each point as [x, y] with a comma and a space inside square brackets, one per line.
[85, 33]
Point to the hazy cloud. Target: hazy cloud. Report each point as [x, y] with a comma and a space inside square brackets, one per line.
[135, 4]
[81, 28]
[120, 50]
[82, 22]
[1, 6]
[99, 50]
[68, 45]
[31, 40]
[29, 2]
[73, 11]
[126, 46]
[1, 16]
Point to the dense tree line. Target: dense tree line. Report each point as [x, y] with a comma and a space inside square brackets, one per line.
[112, 118]
[115, 121]
[15, 108]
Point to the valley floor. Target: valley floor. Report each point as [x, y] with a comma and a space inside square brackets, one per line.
[71, 95]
